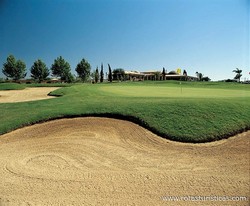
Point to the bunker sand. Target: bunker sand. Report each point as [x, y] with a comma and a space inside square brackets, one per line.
[102, 161]
[28, 94]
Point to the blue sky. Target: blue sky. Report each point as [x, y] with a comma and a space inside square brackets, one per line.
[208, 36]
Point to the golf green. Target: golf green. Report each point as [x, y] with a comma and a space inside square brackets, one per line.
[177, 91]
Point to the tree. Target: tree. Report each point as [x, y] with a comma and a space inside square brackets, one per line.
[206, 79]
[157, 75]
[101, 74]
[83, 69]
[163, 74]
[61, 68]
[39, 71]
[96, 75]
[68, 77]
[13, 68]
[185, 72]
[110, 74]
[185, 78]
[238, 74]
[118, 74]
[199, 76]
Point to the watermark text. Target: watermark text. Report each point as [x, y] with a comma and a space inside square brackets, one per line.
[205, 198]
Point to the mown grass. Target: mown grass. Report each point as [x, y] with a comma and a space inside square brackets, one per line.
[11, 86]
[17, 86]
[190, 112]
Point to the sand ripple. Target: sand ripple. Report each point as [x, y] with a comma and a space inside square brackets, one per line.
[28, 94]
[102, 161]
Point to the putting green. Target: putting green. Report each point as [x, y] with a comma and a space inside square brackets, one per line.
[177, 91]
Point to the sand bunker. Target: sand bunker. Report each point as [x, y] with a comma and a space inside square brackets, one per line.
[28, 94]
[101, 161]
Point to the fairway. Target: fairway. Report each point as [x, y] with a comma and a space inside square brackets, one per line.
[177, 91]
[187, 112]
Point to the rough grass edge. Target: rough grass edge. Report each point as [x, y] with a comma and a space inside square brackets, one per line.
[139, 122]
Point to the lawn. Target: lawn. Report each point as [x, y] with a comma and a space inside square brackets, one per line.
[17, 86]
[11, 86]
[187, 112]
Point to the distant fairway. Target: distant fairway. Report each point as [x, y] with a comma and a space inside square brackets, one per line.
[187, 112]
[177, 91]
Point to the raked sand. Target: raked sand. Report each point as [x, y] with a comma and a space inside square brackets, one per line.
[28, 94]
[103, 161]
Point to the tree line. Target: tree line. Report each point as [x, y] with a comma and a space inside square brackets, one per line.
[16, 69]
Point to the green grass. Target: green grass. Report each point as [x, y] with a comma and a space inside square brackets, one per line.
[17, 86]
[187, 112]
[11, 86]
[173, 92]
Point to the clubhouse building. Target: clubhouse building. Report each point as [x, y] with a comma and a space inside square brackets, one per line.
[157, 75]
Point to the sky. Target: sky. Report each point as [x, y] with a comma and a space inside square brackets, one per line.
[208, 36]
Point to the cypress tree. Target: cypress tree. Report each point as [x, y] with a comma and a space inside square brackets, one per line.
[164, 73]
[96, 75]
[110, 74]
[101, 74]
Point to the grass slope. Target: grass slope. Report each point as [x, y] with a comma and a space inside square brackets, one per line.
[11, 86]
[17, 86]
[190, 112]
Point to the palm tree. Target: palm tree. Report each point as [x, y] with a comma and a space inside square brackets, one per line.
[238, 74]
